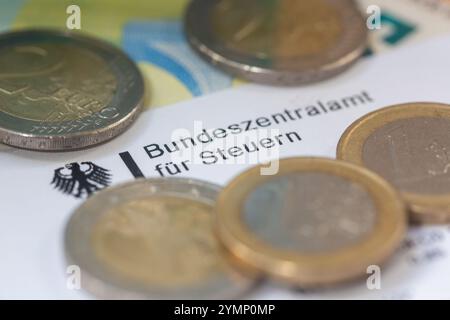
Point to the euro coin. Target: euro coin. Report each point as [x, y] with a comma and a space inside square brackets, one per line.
[409, 145]
[317, 222]
[152, 239]
[282, 42]
[62, 91]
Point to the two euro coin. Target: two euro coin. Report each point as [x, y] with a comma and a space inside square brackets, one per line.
[282, 42]
[63, 91]
[152, 239]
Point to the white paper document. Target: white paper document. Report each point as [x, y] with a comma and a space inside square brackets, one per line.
[220, 135]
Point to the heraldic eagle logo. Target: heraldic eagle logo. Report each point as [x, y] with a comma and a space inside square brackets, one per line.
[81, 180]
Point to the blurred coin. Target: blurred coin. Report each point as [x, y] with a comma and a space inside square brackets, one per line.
[409, 145]
[152, 239]
[61, 90]
[280, 42]
[315, 223]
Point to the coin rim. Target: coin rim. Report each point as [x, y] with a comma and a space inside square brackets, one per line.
[276, 76]
[315, 269]
[424, 208]
[106, 286]
[77, 140]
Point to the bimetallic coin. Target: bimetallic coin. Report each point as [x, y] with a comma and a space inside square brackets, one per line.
[316, 222]
[281, 42]
[61, 90]
[409, 145]
[152, 239]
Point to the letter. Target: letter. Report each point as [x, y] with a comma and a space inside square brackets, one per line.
[320, 104]
[235, 151]
[262, 122]
[272, 169]
[235, 128]
[151, 149]
[278, 115]
[159, 170]
[206, 134]
[288, 135]
[374, 20]
[220, 133]
[334, 105]
[297, 113]
[288, 113]
[74, 20]
[312, 111]
[262, 310]
[221, 152]
[185, 166]
[271, 308]
[175, 166]
[175, 147]
[177, 310]
[353, 100]
[278, 138]
[374, 280]
[247, 124]
[267, 143]
[74, 278]
[183, 141]
[247, 148]
[366, 95]
[205, 155]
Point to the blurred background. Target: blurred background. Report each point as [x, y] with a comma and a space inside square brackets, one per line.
[151, 32]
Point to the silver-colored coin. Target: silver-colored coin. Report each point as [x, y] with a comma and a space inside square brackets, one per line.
[61, 90]
[343, 217]
[317, 222]
[152, 239]
[281, 42]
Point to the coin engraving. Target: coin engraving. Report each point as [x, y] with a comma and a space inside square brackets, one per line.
[62, 83]
[278, 29]
[282, 42]
[64, 90]
[153, 238]
[310, 212]
[317, 222]
[412, 153]
[134, 240]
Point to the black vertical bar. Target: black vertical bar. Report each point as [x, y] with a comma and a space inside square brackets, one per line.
[131, 165]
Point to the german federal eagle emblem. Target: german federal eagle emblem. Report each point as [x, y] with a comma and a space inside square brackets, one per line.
[81, 180]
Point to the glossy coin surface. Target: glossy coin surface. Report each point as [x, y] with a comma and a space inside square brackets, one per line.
[152, 239]
[409, 145]
[61, 91]
[316, 223]
[280, 42]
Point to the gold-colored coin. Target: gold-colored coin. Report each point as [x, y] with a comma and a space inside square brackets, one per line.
[152, 239]
[63, 90]
[316, 222]
[281, 42]
[409, 145]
